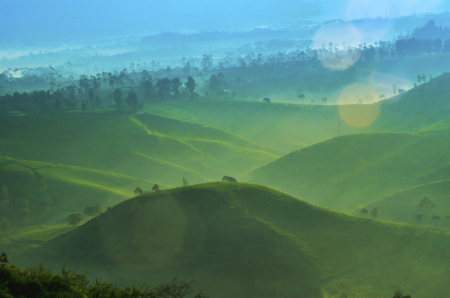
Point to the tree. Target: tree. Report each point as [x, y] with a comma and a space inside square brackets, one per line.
[419, 218]
[155, 188]
[132, 101]
[93, 211]
[83, 106]
[190, 85]
[374, 212]
[419, 78]
[147, 85]
[266, 99]
[426, 204]
[324, 98]
[138, 190]
[185, 182]
[436, 219]
[118, 98]
[75, 218]
[164, 87]
[363, 212]
[175, 85]
[301, 96]
[206, 62]
[214, 84]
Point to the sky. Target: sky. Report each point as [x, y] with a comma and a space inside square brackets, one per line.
[30, 21]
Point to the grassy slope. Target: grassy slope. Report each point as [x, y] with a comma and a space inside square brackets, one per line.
[246, 240]
[275, 125]
[68, 188]
[403, 206]
[133, 146]
[353, 170]
[289, 127]
[53, 192]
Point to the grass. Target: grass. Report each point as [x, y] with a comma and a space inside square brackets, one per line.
[234, 238]
[142, 146]
[353, 170]
[287, 127]
[52, 192]
[403, 206]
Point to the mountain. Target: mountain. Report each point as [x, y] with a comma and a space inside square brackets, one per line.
[245, 240]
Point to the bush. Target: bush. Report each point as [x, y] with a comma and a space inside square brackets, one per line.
[38, 282]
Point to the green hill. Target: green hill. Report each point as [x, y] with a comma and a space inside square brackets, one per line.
[353, 170]
[442, 126]
[276, 125]
[51, 192]
[404, 206]
[288, 127]
[416, 108]
[242, 240]
[143, 146]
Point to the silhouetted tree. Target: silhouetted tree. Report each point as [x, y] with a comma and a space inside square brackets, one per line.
[132, 101]
[164, 87]
[155, 188]
[206, 62]
[436, 219]
[176, 84]
[266, 99]
[185, 182]
[363, 212]
[374, 212]
[93, 211]
[138, 190]
[75, 218]
[419, 218]
[190, 85]
[426, 204]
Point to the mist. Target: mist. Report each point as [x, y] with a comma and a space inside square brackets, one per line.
[261, 148]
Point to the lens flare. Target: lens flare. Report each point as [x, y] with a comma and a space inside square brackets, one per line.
[357, 105]
[332, 42]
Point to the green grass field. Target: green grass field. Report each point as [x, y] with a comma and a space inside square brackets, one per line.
[142, 146]
[288, 127]
[246, 240]
[353, 170]
[43, 193]
[404, 206]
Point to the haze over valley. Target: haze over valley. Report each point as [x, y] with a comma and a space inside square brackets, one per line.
[225, 149]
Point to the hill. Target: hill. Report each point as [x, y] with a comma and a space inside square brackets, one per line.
[442, 126]
[288, 127]
[404, 206]
[353, 170]
[143, 146]
[246, 240]
[42, 193]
